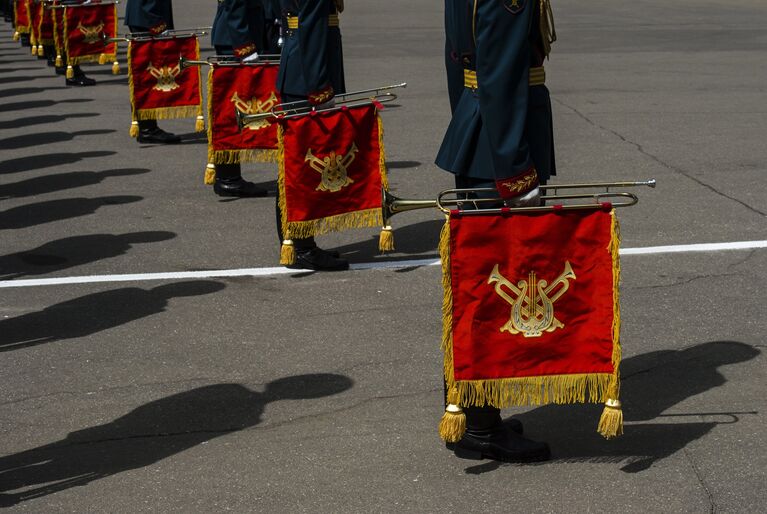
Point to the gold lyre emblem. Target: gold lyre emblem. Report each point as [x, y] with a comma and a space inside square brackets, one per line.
[166, 77]
[333, 169]
[91, 34]
[255, 106]
[532, 301]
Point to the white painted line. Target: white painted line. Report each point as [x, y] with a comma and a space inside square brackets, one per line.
[413, 263]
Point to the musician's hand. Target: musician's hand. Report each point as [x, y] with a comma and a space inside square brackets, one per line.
[251, 58]
[327, 105]
[531, 199]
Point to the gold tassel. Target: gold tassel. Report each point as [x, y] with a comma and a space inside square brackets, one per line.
[102, 59]
[115, 68]
[611, 422]
[287, 253]
[59, 61]
[40, 51]
[386, 239]
[34, 49]
[199, 124]
[210, 174]
[453, 424]
[134, 129]
[548, 32]
[70, 72]
[16, 35]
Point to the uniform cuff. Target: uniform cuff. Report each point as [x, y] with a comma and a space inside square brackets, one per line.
[244, 50]
[158, 28]
[518, 185]
[321, 96]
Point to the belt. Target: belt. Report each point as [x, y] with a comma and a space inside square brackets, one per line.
[293, 21]
[537, 77]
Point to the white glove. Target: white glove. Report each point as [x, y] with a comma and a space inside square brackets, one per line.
[251, 58]
[531, 199]
[327, 105]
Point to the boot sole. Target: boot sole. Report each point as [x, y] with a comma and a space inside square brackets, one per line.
[465, 453]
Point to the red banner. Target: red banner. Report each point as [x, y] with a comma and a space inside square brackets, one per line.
[159, 87]
[251, 89]
[85, 27]
[332, 171]
[22, 17]
[531, 311]
[45, 26]
[35, 16]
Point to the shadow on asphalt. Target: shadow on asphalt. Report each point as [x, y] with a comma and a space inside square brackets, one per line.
[63, 181]
[150, 433]
[418, 238]
[11, 70]
[55, 210]
[44, 138]
[394, 165]
[18, 78]
[95, 312]
[70, 252]
[39, 104]
[37, 162]
[44, 120]
[653, 383]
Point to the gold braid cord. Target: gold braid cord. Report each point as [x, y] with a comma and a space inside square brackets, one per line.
[548, 32]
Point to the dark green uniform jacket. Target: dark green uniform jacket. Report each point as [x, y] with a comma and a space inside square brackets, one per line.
[152, 15]
[503, 128]
[312, 57]
[239, 25]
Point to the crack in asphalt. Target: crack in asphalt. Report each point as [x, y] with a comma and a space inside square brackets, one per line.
[658, 160]
[683, 282]
[709, 495]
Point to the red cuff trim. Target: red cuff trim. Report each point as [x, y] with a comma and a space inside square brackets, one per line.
[519, 185]
[322, 96]
[158, 28]
[244, 50]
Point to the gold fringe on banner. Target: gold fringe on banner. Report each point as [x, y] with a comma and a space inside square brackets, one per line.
[245, 155]
[132, 94]
[210, 174]
[611, 422]
[358, 219]
[168, 113]
[558, 389]
[382, 156]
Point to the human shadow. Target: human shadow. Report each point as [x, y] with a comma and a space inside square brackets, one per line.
[70, 252]
[53, 210]
[38, 104]
[23, 68]
[44, 138]
[46, 160]
[17, 78]
[94, 313]
[652, 384]
[393, 165]
[418, 238]
[44, 120]
[63, 181]
[151, 433]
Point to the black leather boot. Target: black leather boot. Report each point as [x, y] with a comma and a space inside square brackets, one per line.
[315, 258]
[238, 187]
[488, 437]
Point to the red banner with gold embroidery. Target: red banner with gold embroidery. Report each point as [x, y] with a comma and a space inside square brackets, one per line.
[531, 312]
[85, 29]
[45, 26]
[159, 87]
[251, 89]
[332, 171]
[21, 16]
[58, 33]
[35, 16]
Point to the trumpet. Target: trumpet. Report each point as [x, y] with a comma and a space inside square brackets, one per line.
[599, 195]
[168, 34]
[228, 60]
[302, 107]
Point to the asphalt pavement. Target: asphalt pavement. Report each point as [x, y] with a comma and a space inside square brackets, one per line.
[315, 392]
